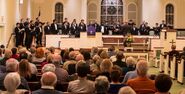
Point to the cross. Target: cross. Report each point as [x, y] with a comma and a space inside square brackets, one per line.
[172, 42]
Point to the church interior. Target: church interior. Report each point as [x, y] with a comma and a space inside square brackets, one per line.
[151, 31]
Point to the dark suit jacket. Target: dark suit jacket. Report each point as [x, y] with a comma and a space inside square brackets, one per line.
[82, 27]
[53, 29]
[46, 91]
[47, 30]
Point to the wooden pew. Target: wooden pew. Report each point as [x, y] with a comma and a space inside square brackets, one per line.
[180, 75]
[161, 64]
[172, 67]
[166, 64]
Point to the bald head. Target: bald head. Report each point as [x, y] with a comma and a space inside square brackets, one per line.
[48, 79]
[142, 68]
[79, 57]
[56, 59]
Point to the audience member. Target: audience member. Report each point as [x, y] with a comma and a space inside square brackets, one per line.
[137, 83]
[7, 55]
[24, 55]
[1, 54]
[115, 85]
[48, 81]
[101, 85]
[105, 68]
[163, 84]
[14, 53]
[25, 71]
[126, 90]
[39, 56]
[79, 57]
[48, 68]
[12, 66]
[81, 85]
[60, 72]
[11, 82]
[119, 60]
[130, 62]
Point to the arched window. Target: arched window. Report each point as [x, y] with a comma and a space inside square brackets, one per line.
[132, 12]
[111, 11]
[59, 12]
[170, 15]
[92, 12]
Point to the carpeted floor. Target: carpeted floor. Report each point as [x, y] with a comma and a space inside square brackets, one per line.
[176, 87]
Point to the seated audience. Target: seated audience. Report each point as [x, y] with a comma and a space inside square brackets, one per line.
[130, 62]
[87, 58]
[81, 85]
[101, 85]
[12, 66]
[115, 85]
[14, 53]
[25, 71]
[131, 74]
[163, 84]
[126, 90]
[94, 51]
[137, 83]
[105, 68]
[39, 56]
[48, 81]
[111, 51]
[48, 68]
[119, 60]
[7, 55]
[79, 57]
[1, 54]
[24, 55]
[49, 59]
[11, 82]
[61, 74]
[104, 55]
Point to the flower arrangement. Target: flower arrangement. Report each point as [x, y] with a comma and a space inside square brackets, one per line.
[128, 40]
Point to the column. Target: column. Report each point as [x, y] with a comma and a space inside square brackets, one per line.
[29, 9]
[84, 10]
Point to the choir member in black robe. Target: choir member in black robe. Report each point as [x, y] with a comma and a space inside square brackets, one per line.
[26, 22]
[82, 26]
[38, 31]
[142, 28]
[157, 29]
[65, 27]
[54, 27]
[134, 30]
[17, 35]
[47, 28]
[74, 27]
[29, 36]
[22, 32]
[125, 29]
[97, 27]
[147, 29]
[117, 28]
[106, 29]
[163, 25]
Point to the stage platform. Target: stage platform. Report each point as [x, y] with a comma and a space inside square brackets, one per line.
[141, 43]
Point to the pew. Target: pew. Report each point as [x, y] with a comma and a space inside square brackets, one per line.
[180, 74]
[172, 67]
[166, 64]
[161, 64]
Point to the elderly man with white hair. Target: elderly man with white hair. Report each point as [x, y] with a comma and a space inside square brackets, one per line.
[11, 83]
[142, 81]
[126, 90]
[12, 66]
[61, 74]
[48, 68]
[48, 81]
